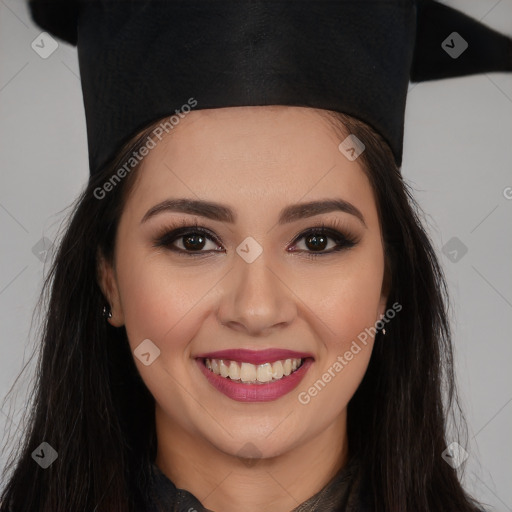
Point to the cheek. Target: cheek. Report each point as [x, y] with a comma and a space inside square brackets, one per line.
[347, 305]
[349, 309]
[346, 299]
[159, 301]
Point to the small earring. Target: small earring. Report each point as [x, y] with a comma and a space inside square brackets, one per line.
[384, 331]
[107, 313]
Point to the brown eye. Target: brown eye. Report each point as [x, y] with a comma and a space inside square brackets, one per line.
[194, 242]
[316, 242]
[189, 240]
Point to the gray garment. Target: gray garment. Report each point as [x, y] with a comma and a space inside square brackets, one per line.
[340, 494]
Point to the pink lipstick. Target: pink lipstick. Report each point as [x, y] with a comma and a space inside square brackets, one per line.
[233, 372]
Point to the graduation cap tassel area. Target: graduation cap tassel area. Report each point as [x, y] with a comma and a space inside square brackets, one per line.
[451, 44]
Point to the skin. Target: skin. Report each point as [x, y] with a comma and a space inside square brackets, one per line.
[257, 160]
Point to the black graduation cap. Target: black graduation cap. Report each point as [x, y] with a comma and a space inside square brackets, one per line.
[142, 60]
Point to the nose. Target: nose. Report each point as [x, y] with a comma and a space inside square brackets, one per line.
[255, 298]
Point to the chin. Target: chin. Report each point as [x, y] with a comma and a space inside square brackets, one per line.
[252, 444]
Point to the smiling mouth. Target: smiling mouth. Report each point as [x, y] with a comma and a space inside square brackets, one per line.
[247, 373]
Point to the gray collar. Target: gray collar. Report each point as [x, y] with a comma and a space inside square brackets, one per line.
[340, 494]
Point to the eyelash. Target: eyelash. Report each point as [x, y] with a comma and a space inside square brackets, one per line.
[172, 233]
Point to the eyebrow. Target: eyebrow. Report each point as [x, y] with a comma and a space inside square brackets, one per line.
[224, 213]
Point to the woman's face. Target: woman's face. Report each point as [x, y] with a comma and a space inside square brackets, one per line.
[251, 281]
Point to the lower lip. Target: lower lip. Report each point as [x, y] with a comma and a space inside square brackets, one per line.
[237, 390]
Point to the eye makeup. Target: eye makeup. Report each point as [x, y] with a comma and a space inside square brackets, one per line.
[327, 230]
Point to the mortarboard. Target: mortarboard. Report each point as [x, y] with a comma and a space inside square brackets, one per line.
[143, 60]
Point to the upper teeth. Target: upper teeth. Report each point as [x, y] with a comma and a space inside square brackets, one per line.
[247, 372]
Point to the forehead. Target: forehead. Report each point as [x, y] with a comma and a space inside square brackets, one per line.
[252, 158]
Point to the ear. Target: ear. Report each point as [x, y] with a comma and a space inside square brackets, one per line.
[107, 281]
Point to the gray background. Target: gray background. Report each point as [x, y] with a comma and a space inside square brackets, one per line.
[457, 158]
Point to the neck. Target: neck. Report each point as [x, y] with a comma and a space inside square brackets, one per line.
[228, 483]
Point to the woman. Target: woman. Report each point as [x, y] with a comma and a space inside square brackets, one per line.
[297, 365]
